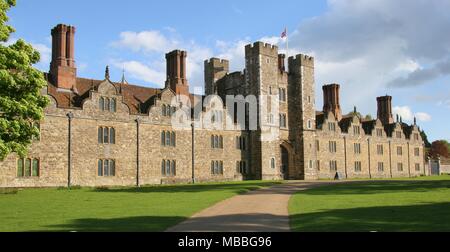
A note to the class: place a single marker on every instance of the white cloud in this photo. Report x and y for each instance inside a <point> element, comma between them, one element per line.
<point>141,71</point>
<point>424,117</point>
<point>145,41</point>
<point>367,45</point>
<point>406,114</point>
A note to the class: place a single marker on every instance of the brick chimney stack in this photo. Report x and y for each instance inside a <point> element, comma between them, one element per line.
<point>281,65</point>
<point>331,100</point>
<point>384,111</point>
<point>62,68</point>
<point>176,72</point>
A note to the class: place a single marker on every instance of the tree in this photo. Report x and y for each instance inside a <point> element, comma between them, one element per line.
<point>425,139</point>
<point>21,102</point>
<point>439,148</point>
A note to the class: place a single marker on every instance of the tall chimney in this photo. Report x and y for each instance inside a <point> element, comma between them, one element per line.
<point>62,68</point>
<point>176,72</point>
<point>331,100</point>
<point>384,109</point>
<point>281,65</point>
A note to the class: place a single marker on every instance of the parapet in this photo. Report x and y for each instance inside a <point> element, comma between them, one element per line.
<point>300,60</point>
<point>261,48</point>
<point>216,62</point>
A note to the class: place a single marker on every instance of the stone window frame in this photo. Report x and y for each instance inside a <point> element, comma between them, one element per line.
<point>400,167</point>
<point>283,120</point>
<point>356,130</point>
<point>380,166</point>
<point>241,143</point>
<point>399,150</point>
<point>216,167</point>
<point>168,138</point>
<point>417,166</point>
<point>317,145</point>
<point>332,126</point>
<point>282,94</point>
<point>417,152</point>
<point>272,163</point>
<point>380,149</point>
<point>107,104</point>
<point>241,167</point>
<point>22,172</point>
<point>168,168</point>
<point>106,167</point>
<point>332,146</point>
<point>357,148</point>
<point>398,134</point>
<point>106,135</point>
<point>358,166</point>
<point>416,136</point>
<point>379,132</point>
<point>216,142</point>
<point>333,166</point>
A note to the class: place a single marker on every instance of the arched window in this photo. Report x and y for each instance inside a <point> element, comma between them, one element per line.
<point>167,138</point>
<point>112,136</point>
<point>172,136</point>
<point>163,110</point>
<point>113,105</point>
<point>212,167</point>
<point>106,168</point>
<point>221,167</point>
<point>27,167</point>
<point>212,141</point>
<point>100,135</point>
<point>100,167</point>
<point>163,167</point>
<point>163,138</point>
<point>107,104</point>
<point>272,163</point>
<point>101,103</point>
<point>167,167</point>
<point>20,167</point>
<point>112,168</point>
<point>105,135</point>
<point>220,142</point>
<point>173,168</point>
<point>35,170</point>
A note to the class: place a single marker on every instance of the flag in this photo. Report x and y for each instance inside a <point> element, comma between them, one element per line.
<point>284,33</point>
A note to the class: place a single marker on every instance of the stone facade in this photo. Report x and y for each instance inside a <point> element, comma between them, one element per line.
<point>291,141</point>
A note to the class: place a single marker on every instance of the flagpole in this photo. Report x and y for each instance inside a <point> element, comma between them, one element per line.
<point>287,44</point>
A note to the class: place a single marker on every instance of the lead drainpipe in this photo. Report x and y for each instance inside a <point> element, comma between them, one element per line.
<point>193,150</point>
<point>69,151</point>
<point>138,121</point>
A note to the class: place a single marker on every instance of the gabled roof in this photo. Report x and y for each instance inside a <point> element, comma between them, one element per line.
<point>138,98</point>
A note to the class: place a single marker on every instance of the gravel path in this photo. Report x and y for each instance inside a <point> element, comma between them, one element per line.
<point>263,210</point>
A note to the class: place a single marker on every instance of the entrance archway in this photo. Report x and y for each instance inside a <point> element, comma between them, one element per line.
<point>284,162</point>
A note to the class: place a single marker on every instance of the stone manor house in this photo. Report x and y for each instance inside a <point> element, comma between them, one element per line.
<point>104,133</point>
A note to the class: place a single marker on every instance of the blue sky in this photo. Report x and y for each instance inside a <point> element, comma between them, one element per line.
<point>371,48</point>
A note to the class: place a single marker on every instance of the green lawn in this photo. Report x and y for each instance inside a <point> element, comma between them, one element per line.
<point>420,204</point>
<point>152,208</point>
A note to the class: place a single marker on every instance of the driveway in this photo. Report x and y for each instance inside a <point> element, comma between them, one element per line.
<point>263,210</point>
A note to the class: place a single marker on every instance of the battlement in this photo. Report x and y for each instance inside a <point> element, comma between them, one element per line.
<point>300,60</point>
<point>261,48</point>
<point>216,63</point>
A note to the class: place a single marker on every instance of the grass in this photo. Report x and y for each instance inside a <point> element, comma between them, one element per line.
<point>151,208</point>
<point>419,204</point>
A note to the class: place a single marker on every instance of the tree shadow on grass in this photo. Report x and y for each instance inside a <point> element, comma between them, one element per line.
<point>426,217</point>
<point>376,187</point>
<point>253,222</point>
<point>126,224</point>
<point>235,187</point>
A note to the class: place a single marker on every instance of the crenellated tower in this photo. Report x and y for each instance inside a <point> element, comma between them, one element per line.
<point>215,69</point>
<point>302,114</point>
<point>261,61</point>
